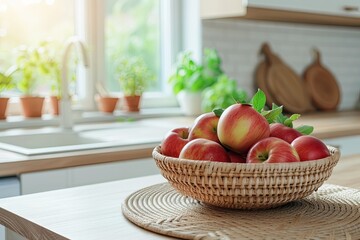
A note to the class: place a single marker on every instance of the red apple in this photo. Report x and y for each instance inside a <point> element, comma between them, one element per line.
<point>241,126</point>
<point>310,148</point>
<point>285,133</point>
<point>205,126</point>
<point>204,149</point>
<point>237,157</point>
<point>272,150</point>
<point>174,141</point>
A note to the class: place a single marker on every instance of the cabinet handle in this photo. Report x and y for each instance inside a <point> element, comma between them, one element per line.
<point>350,8</point>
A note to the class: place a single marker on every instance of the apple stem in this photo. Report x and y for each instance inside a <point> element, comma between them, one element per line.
<point>184,135</point>
<point>263,156</point>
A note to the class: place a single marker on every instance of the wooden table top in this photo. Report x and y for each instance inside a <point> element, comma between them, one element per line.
<point>94,211</point>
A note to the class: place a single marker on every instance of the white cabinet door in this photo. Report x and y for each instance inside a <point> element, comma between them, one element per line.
<point>112,171</point>
<point>84,175</point>
<point>347,145</point>
<point>44,181</point>
<point>349,8</point>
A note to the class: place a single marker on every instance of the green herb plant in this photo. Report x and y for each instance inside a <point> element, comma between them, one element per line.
<point>222,94</point>
<point>134,76</point>
<point>38,63</point>
<point>27,65</point>
<point>194,77</point>
<point>7,80</point>
<point>49,66</point>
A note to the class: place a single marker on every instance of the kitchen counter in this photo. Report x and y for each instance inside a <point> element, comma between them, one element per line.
<point>94,211</point>
<point>12,163</point>
<point>326,124</point>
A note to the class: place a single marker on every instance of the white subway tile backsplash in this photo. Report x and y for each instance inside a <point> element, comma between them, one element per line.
<point>238,43</point>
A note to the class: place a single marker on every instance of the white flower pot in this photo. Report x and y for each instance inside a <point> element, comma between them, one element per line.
<point>190,103</point>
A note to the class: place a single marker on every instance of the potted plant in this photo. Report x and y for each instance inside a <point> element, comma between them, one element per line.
<point>35,64</point>
<point>6,83</point>
<point>49,69</point>
<point>134,77</point>
<point>222,94</point>
<point>106,102</point>
<point>190,79</point>
<point>27,65</point>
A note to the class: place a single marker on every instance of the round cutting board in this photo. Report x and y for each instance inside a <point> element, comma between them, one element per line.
<point>321,85</point>
<point>260,82</point>
<point>285,85</point>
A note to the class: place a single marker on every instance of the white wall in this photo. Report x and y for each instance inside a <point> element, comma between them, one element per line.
<point>239,41</point>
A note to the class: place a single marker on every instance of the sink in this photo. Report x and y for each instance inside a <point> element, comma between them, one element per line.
<point>35,143</point>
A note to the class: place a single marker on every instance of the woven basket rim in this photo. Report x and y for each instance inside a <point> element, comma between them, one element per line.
<point>334,156</point>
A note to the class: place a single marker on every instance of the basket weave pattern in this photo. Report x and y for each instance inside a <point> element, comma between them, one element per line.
<point>245,186</point>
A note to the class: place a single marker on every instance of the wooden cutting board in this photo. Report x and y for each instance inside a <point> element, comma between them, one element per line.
<point>285,85</point>
<point>321,84</point>
<point>260,81</point>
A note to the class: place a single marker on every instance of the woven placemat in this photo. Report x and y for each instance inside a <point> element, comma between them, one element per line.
<point>333,212</point>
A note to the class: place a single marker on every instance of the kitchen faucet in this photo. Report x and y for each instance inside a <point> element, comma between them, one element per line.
<point>66,121</point>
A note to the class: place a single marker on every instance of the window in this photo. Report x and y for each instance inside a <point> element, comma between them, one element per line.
<point>110,29</point>
<point>132,28</point>
<point>27,23</point>
<point>146,28</point>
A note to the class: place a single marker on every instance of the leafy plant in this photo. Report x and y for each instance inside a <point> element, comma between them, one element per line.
<point>49,66</point>
<point>38,63</point>
<point>222,94</point>
<point>134,75</point>
<point>195,77</point>
<point>6,80</point>
<point>26,63</point>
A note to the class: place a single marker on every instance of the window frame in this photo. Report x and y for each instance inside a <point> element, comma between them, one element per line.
<point>91,18</point>
<point>176,36</point>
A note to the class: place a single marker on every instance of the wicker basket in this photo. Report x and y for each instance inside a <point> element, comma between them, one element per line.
<point>245,186</point>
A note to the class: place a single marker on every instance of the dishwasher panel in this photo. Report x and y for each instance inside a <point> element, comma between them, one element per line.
<point>9,187</point>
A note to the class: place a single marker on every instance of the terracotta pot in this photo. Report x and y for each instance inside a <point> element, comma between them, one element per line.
<point>54,105</point>
<point>107,104</point>
<point>3,106</point>
<point>32,106</point>
<point>132,103</point>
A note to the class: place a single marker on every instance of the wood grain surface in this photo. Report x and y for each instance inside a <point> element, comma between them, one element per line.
<point>260,81</point>
<point>278,15</point>
<point>285,85</point>
<point>86,213</point>
<point>321,85</point>
<point>94,211</point>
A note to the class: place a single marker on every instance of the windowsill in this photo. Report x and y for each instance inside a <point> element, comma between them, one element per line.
<point>80,117</point>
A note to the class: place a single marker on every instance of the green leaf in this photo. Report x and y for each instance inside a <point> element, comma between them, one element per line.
<point>272,114</point>
<point>289,121</point>
<point>258,101</point>
<point>295,117</point>
<point>222,94</point>
<point>305,129</point>
<point>218,111</point>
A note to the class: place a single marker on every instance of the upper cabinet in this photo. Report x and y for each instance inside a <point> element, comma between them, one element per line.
<point>345,8</point>
<point>328,12</point>
<point>210,9</point>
